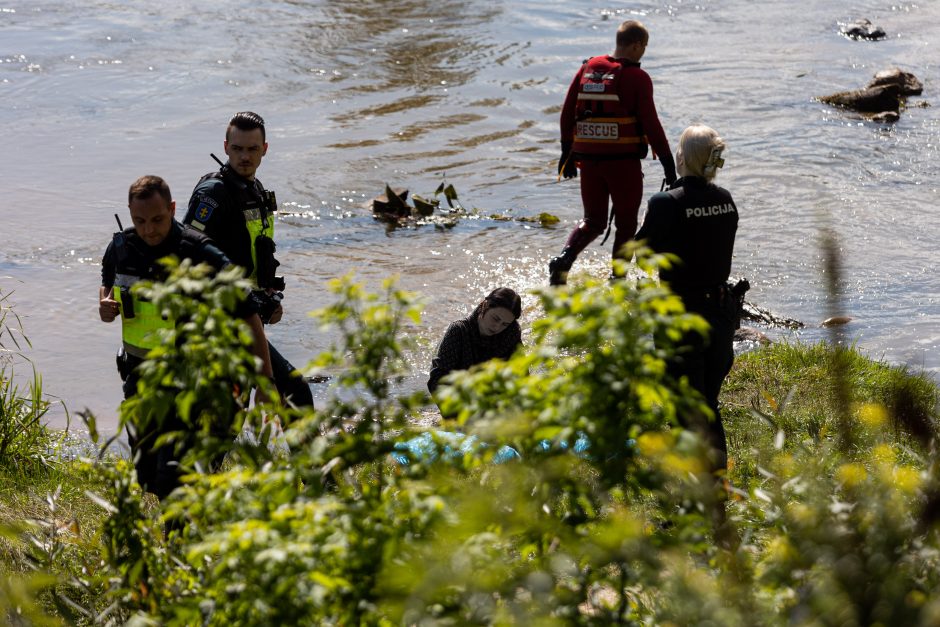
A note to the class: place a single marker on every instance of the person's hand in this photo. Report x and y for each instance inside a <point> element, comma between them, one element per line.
<point>670,174</point>
<point>267,303</point>
<point>108,309</point>
<point>567,167</point>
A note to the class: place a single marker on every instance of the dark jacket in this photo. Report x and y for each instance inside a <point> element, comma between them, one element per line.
<point>217,208</point>
<point>463,347</point>
<point>137,259</point>
<point>696,220</point>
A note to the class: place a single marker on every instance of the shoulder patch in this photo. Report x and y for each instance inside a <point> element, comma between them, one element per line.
<point>203,212</point>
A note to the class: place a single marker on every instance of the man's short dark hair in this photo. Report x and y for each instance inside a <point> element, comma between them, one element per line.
<point>246,121</point>
<point>631,32</point>
<point>146,186</point>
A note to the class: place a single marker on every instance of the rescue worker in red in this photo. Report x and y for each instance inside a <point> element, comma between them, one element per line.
<point>607,121</point>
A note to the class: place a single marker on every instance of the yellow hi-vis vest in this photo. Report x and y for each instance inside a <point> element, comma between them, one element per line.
<point>138,331</point>
<point>256,227</point>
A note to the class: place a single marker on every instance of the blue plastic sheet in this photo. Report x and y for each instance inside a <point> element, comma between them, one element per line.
<point>448,445</point>
<point>452,445</point>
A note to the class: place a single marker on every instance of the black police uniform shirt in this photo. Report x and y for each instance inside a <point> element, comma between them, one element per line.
<point>141,259</point>
<point>216,208</point>
<point>696,220</point>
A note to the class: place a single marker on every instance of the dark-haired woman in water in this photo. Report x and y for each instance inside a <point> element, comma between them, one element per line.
<point>491,331</point>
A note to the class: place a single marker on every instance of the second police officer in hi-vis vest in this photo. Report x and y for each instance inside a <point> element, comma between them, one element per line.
<point>233,208</point>
<point>607,120</point>
<point>134,255</point>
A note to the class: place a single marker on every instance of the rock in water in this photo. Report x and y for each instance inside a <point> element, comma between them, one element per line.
<point>881,100</point>
<point>750,334</point>
<point>863,29</point>
<point>908,84</point>
<point>836,321</point>
<point>869,100</point>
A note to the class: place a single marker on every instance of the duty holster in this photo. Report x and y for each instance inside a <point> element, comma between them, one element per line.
<point>733,300</point>
<point>267,264</point>
<point>123,367</point>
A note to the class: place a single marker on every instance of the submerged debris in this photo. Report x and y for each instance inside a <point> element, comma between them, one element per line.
<point>544,218</point>
<point>392,208</point>
<point>392,203</point>
<point>758,314</point>
<point>863,29</point>
<point>881,100</point>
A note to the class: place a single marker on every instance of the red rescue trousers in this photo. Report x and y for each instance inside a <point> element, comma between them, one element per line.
<point>616,180</point>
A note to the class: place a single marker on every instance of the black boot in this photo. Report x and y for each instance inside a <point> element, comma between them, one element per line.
<point>618,270</point>
<point>559,266</point>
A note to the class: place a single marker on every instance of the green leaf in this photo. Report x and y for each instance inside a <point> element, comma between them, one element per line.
<point>101,502</point>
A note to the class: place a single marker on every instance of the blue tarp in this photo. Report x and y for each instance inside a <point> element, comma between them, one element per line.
<point>450,445</point>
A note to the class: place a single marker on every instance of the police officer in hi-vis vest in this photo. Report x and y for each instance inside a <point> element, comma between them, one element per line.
<point>696,221</point>
<point>233,208</point>
<point>132,256</point>
<point>606,123</point>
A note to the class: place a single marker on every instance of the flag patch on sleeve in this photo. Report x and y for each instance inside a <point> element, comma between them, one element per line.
<point>203,212</point>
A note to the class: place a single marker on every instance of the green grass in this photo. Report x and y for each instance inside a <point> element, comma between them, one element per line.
<point>795,389</point>
<point>25,501</point>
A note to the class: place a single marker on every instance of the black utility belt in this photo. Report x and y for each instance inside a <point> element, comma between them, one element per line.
<point>715,293</point>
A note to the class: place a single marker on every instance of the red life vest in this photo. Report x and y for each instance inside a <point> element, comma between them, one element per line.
<point>603,124</point>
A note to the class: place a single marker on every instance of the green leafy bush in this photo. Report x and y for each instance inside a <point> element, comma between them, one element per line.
<point>832,518</point>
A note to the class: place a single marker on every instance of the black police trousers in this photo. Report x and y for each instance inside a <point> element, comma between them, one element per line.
<point>157,468</point>
<point>292,387</point>
<point>706,362</point>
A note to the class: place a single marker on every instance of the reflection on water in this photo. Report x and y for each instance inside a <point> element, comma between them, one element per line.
<point>361,94</point>
<point>409,45</point>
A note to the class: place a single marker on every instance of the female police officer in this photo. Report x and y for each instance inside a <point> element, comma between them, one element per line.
<point>696,221</point>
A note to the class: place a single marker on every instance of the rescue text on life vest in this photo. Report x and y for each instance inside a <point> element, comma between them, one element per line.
<point>604,126</point>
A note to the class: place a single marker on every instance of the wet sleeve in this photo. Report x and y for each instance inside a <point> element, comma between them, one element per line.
<point>658,223</point>
<point>449,356</point>
<point>569,108</point>
<point>108,267</point>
